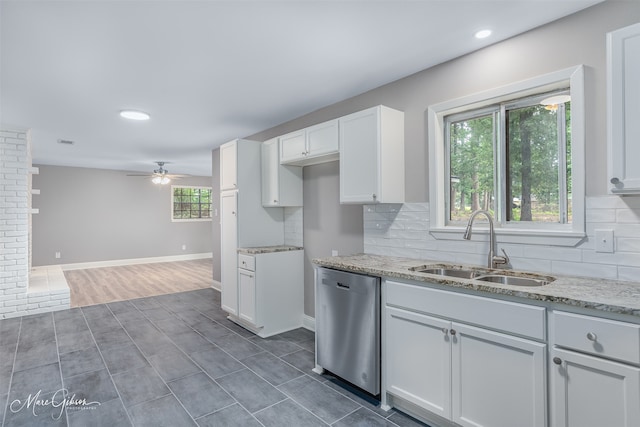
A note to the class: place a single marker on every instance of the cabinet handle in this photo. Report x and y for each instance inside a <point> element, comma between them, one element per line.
<point>275,201</point>
<point>453,332</point>
<point>233,212</point>
<point>373,196</point>
<point>304,153</point>
<point>445,331</point>
<point>614,181</point>
<point>557,361</point>
<point>592,337</point>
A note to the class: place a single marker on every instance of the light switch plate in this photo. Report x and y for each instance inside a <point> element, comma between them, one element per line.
<point>604,241</point>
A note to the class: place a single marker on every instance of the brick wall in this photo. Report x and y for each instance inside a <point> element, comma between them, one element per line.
<point>15,211</point>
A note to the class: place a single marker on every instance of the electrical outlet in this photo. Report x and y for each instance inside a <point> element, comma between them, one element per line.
<point>334,252</point>
<point>57,255</point>
<point>184,247</point>
<point>604,241</point>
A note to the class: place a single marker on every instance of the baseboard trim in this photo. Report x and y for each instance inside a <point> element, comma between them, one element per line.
<point>132,261</point>
<point>217,285</point>
<point>309,323</point>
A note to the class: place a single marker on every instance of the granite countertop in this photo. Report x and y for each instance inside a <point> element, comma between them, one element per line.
<point>268,249</point>
<point>600,294</point>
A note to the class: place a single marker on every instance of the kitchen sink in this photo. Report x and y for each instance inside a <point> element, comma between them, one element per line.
<point>512,280</point>
<point>503,278</point>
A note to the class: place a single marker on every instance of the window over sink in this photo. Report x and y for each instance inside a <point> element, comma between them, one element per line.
<point>516,151</point>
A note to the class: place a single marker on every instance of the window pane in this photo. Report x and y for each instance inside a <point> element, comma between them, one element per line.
<point>533,183</point>
<point>471,166</point>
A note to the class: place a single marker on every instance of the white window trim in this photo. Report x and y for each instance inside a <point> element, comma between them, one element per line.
<point>569,235</point>
<point>187,219</point>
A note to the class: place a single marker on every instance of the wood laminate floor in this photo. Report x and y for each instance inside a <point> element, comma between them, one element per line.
<point>107,284</point>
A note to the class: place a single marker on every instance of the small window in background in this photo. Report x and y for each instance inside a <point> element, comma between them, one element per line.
<point>512,159</point>
<point>190,203</point>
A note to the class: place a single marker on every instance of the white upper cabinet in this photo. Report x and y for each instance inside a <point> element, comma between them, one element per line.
<point>372,156</point>
<point>228,166</point>
<point>312,145</point>
<point>281,185</point>
<point>623,109</point>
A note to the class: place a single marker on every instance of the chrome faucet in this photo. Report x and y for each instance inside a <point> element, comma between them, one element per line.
<point>494,260</point>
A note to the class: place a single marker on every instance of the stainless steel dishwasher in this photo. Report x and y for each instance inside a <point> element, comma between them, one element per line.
<point>348,327</point>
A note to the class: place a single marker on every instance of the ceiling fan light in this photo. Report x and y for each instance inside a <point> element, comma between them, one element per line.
<point>134,115</point>
<point>165,180</point>
<point>157,180</point>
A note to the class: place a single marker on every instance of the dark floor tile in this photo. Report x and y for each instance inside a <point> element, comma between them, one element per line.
<point>103,324</point>
<point>211,330</point>
<point>154,344</point>
<point>172,326</point>
<point>159,313</point>
<point>140,385</point>
<point>71,325</point>
<point>128,317</point>
<point>216,362</point>
<point>191,342</point>
<point>298,335</point>
<point>119,307</point>
<point>232,416</point>
<point>363,417</point>
<point>32,354</point>
<point>3,405</point>
<point>141,328</point>
<point>355,394</point>
<point>72,313</point>
<point>36,328</point>
<point>80,362</point>
<point>200,395</point>
<point>146,303</point>
<point>45,378</point>
<point>215,313</point>
<point>69,342</point>
<point>288,413</point>
<point>309,345</point>
<point>7,354</point>
<point>107,414</point>
<point>93,386</point>
<point>250,390</point>
<point>5,379</point>
<point>276,345</point>
<point>23,414</point>
<point>303,360</point>
<point>238,347</point>
<point>173,364</point>
<point>192,317</point>
<point>9,329</point>
<point>404,420</point>
<point>322,401</point>
<point>112,338</point>
<point>165,411</point>
<point>272,368</point>
<point>124,359</point>
<point>96,311</point>
<point>237,329</point>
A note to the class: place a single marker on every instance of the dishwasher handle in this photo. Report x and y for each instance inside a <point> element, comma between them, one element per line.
<point>342,285</point>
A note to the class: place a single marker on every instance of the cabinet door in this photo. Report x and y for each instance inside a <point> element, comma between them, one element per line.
<point>293,146</point>
<point>228,167</point>
<point>322,138</point>
<point>359,157</point>
<point>497,380</point>
<point>593,392</point>
<point>270,175</point>
<point>228,249</point>
<point>418,361</point>
<point>623,87</point>
<point>247,296</point>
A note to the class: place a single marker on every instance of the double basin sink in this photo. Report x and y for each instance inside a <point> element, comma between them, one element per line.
<point>502,277</point>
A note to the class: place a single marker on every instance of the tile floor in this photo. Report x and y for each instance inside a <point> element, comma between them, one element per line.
<point>171,360</point>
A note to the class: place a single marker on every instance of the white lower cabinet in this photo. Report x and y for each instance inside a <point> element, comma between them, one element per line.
<point>589,389</point>
<point>452,373</point>
<point>247,296</point>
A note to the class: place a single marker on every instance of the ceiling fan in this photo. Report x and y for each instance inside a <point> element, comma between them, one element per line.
<point>161,175</point>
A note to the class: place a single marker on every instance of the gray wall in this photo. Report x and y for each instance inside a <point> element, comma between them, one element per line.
<point>91,215</point>
<point>215,201</point>
<point>576,39</point>
<point>328,225</point>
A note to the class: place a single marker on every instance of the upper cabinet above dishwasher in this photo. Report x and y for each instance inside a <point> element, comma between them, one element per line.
<point>372,156</point>
<point>309,146</point>
<point>623,109</point>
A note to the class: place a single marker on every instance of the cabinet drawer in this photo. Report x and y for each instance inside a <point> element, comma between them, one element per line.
<point>247,262</point>
<point>601,337</point>
<point>515,318</point>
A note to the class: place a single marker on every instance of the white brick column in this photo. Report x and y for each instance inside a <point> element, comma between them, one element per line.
<point>14,222</point>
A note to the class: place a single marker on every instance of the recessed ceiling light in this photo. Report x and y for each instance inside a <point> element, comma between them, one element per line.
<point>134,115</point>
<point>482,34</point>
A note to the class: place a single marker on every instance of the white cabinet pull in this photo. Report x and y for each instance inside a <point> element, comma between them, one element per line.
<point>592,337</point>
<point>445,331</point>
<point>614,180</point>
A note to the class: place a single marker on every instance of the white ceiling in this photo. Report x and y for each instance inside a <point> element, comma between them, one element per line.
<point>211,71</point>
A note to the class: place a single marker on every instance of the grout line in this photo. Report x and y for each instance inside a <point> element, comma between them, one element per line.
<point>13,368</point>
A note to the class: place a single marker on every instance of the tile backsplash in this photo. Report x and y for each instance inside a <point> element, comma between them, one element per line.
<point>403,230</point>
<point>293,226</point>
